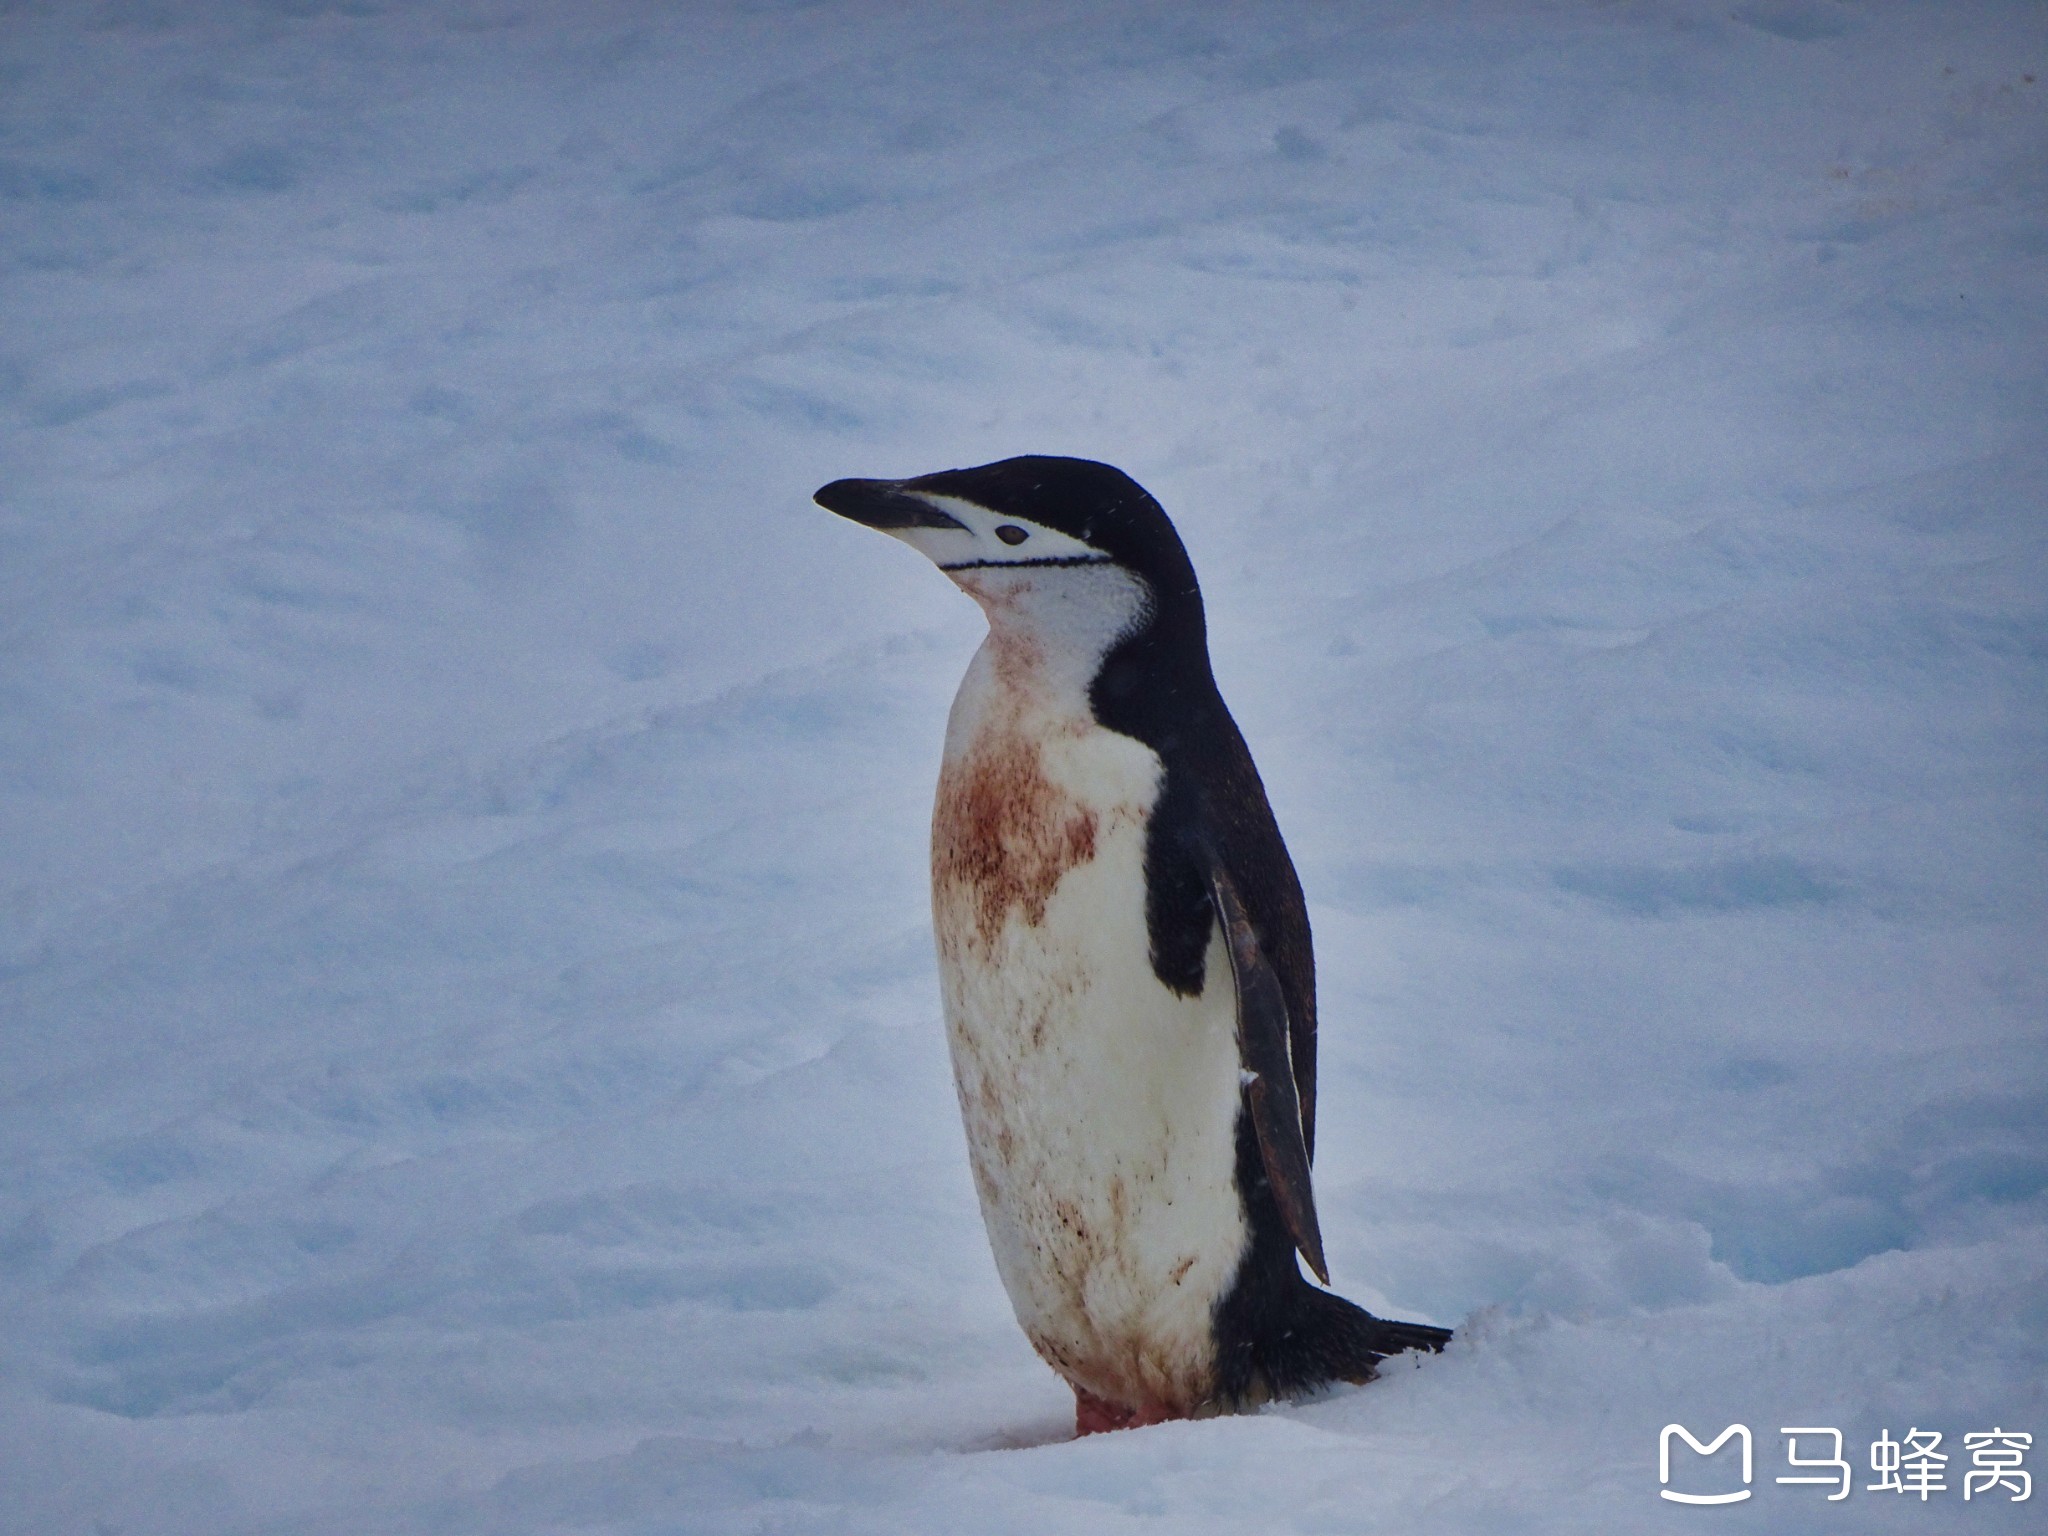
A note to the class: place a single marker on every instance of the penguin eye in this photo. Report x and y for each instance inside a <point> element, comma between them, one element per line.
<point>1010,533</point>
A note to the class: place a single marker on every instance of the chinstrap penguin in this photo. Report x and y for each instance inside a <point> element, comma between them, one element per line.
<point>1124,956</point>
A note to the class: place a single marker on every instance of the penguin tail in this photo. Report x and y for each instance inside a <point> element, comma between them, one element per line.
<point>1332,1339</point>
<point>1397,1338</point>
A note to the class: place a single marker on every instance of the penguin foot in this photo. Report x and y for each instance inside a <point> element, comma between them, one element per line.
<point>1096,1415</point>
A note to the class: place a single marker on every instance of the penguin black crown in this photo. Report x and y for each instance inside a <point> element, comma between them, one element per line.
<point>1125,960</point>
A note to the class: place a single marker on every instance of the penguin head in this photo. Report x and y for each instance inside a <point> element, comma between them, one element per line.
<point>1032,517</point>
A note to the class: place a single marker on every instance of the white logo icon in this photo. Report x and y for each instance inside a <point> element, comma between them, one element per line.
<point>1664,1463</point>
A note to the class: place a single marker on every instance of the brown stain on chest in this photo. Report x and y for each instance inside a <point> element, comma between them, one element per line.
<point>1003,834</point>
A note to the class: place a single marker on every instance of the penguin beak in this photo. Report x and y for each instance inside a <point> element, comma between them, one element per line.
<point>882,505</point>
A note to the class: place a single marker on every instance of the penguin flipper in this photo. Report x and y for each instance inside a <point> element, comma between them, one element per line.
<point>1263,1033</point>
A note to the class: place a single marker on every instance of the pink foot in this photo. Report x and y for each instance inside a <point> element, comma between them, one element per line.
<point>1094,1415</point>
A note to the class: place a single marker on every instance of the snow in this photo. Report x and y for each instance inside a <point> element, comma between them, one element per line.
<point>471,1056</point>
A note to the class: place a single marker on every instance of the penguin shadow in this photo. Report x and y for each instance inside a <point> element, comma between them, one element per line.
<point>1059,1429</point>
<point>1051,1429</point>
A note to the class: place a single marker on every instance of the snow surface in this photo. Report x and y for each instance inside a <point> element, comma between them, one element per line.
<point>470,1056</point>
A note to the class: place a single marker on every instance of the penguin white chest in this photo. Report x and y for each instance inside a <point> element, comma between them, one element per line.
<point>1100,1105</point>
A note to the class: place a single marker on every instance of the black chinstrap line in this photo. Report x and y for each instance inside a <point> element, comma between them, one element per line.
<point>1005,565</point>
